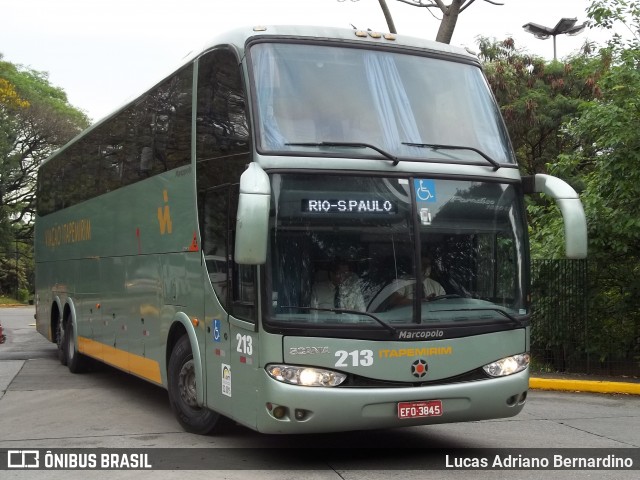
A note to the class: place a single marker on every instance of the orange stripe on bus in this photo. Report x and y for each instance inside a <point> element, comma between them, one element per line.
<point>129,362</point>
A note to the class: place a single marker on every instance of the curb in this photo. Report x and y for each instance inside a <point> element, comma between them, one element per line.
<point>584,386</point>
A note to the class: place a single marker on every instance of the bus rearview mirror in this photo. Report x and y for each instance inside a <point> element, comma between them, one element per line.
<point>575,222</point>
<point>252,221</point>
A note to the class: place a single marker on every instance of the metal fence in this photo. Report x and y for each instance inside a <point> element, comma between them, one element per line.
<point>566,336</point>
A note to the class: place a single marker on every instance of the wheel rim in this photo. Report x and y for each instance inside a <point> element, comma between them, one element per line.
<point>187,384</point>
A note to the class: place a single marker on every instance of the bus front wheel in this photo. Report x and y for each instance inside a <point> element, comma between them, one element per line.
<point>182,391</point>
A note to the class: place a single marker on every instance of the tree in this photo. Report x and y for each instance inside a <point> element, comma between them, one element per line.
<point>387,16</point>
<point>536,97</point>
<point>610,13</point>
<point>606,164</point>
<point>449,12</point>
<point>607,141</point>
<point>603,162</point>
<point>607,159</point>
<point>35,120</point>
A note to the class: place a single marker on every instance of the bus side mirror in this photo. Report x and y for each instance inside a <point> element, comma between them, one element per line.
<point>575,222</point>
<point>252,221</point>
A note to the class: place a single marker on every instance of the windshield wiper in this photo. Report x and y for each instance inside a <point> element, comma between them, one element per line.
<point>345,310</point>
<point>436,146</point>
<point>515,320</point>
<point>384,153</point>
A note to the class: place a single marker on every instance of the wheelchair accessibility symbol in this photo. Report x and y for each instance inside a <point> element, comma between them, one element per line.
<point>216,330</point>
<point>425,190</point>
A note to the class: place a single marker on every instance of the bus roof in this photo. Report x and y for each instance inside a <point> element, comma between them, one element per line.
<point>240,36</point>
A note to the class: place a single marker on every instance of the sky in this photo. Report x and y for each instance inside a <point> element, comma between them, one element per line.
<point>104,52</point>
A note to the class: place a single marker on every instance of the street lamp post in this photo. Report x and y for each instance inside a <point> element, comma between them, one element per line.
<point>564,26</point>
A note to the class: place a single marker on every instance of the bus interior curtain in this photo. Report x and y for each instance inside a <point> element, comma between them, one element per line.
<point>391,101</point>
<point>487,136</point>
<point>265,73</point>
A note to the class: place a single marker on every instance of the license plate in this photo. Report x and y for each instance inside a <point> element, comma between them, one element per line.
<point>431,408</point>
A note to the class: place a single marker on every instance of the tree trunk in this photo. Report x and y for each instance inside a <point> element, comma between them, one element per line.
<point>449,20</point>
<point>387,16</point>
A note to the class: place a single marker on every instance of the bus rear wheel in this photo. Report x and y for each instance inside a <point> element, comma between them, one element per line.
<point>75,361</point>
<point>60,342</point>
<point>182,391</point>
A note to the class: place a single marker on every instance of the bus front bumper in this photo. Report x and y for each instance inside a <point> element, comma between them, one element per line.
<point>295,409</point>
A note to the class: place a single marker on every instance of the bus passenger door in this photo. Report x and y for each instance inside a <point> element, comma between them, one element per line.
<point>245,362</point>
<point>222,154</point>
<point>230,310</point>
<point>217,355</point>
<point>214,231</point>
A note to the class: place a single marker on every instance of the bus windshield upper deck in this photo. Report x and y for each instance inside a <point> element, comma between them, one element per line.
<point>318,99</point>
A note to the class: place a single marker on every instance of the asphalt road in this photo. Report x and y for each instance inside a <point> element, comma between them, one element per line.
<point>43,405</point>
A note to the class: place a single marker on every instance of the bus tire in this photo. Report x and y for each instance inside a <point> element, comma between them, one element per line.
<point>75,360</point>
<point>60,342</point>
<point>182,391</point>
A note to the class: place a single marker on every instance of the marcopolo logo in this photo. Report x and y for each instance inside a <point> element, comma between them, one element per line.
<point>420,334</point>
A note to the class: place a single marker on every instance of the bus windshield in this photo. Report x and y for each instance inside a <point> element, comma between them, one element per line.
<point>333,101</point>
<point>369,252</point>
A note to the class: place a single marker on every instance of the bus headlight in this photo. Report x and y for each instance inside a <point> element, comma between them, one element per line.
<point>508,365</point>
<point>305,376</point>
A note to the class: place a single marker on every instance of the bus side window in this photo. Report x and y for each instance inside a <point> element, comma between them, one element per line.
<point>222,128</point>
<point>234,284</point>
<point>214,220</point>
<point>222,154</point>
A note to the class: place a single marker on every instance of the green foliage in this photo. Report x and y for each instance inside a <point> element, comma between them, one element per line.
<point>8,300</point>
<point>546,229</point>
<point>35,120</point>
<point>23,295</point>
<point>602,163</point>
<point>613,13</point>
<point>578,120</point>
<point>536,98</point>
<point>13,274</point>
<point>607,158</point>
<point>607,162</point>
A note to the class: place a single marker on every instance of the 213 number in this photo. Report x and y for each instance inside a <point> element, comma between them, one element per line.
<point>245,344</point>
<point>356,358</point>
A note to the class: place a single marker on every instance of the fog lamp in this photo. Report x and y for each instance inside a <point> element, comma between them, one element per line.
<point>279,412</point>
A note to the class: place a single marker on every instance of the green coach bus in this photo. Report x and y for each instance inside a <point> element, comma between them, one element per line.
<point>301,229</point>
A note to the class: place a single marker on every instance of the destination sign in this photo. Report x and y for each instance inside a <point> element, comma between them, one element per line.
<point>349,205</point>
